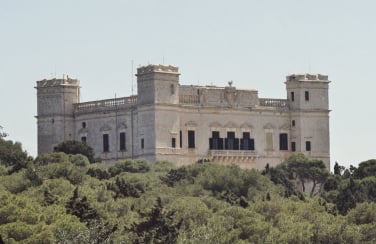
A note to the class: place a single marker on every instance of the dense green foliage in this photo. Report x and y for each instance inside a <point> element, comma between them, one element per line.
<point>76,147</point>
<point>60,198</point>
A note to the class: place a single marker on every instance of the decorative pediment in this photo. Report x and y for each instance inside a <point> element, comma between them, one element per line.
<point>246,126</point>
<point>215,125</point>
<point>284,127</point>
<point>191,124</point>
<point>231,125</point>
<point>105,128</point>
<point>122,126</point>
<point>269,126</point>
<point>83,131</point>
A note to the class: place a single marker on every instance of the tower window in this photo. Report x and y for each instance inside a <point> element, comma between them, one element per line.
<point>231,143</point>
<point>292,96</point>
<point>293,123</point>
<point>106,145</point>
<point>173,142</point>
<point>191,139</point>
<point>308,146</point>
<point>122,141</point>
<point>142,143</point>
<point>83,139</point>
<point>293,146</point>
<point>283,141</point>
<point>83,125</point>
<point>306,95</point>
<point>172,88</point>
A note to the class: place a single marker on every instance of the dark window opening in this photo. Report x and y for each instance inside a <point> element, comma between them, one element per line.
<point>247,143</point>
<point>122,141</point>
<point>83,139</point>
<point>215,142</point>
<point>142,143</point>
<point>191,139</point>
<point>181,139</point>
<point>292,96</point>
<point>173,142</point>
<point>106,145</point>
<point>293,123</point>
<point>83,124</point>
<point>293,146</point>
<point>306,95</point>
<point>231,143</point>
<point>283,141</point>
<point>308,146</point>
<point>172,88</point>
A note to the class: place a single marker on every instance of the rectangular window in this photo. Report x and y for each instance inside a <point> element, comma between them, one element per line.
<point>269,141</point>
<point>292,96</point>
<point>191,139</point>
<point>181,139</point>
<point>247,143</point>
<point>283,141</point>
<point>306,95</point>
<point>106,145</point>
<point>308,146</point>
<point>122,141</point>
<point>231,143</point>
<point>142,143</point>
<point>173,142</point>
<point>293,123</point>
<point>83,139</point>
<point>293,146</point>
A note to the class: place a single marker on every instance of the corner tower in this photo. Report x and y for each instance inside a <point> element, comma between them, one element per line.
<point>55,99</point>
<point>309,113</point>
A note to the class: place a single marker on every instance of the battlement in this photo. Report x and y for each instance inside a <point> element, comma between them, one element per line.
<point>158,68</point>
<point>58,82</point>
<point>307,77</point>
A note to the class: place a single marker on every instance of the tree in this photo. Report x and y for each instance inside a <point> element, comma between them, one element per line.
<point>365,169</point>
<point>81,208</point>
<point>159,227</point>
<point>338,169</point>
<point>12,155</point>
<point>2,133</point>
<point>76,147</point>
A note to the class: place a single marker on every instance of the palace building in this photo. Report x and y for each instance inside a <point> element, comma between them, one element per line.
<point>188,123</point>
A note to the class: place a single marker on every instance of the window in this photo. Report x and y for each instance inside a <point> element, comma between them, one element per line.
<point>191,139</point>
<point>84,125</point>
<point>122,141</point>
<point>293,123</point>
<point>247,143</point>
<point>142,143</point>
<point>231,143</point>
<point>293,146</point>
<point>83,139</point>
<point>215,142</point>
<point>181,139</point>
<point>283,141</point>
<point>173,142</point>
<point>308,146</point>
<point>172,88</point>
<point>306,95</point>
<point>106,145</point>
<point>292,96</point>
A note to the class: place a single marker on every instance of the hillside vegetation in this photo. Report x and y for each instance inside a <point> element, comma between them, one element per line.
<point>61,198</point>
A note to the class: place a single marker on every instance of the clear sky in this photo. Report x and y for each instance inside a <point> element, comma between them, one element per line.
<point>254,43</point>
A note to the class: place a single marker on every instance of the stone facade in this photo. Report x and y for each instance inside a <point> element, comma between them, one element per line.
<point>184,124</point>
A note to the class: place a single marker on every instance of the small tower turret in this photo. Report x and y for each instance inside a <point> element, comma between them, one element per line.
<point>55,99</point>
<point>309,114</point>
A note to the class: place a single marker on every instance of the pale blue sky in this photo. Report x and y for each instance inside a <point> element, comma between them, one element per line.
<point>254,43</point>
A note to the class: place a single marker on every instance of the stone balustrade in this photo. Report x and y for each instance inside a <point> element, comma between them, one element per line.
<point>107,104</point>
<point>274,103</point>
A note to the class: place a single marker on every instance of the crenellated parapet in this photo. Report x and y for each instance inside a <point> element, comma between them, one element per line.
<point>307,77</point>
<point>57,82</point>
<point>157,68</point>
